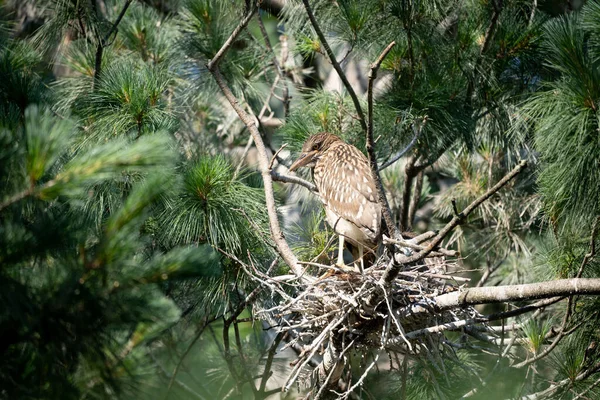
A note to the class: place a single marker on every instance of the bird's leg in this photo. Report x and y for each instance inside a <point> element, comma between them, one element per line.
<point>360,267</point>
<point>340,260</point>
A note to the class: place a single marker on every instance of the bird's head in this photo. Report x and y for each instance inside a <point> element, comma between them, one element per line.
<point>313,148</point>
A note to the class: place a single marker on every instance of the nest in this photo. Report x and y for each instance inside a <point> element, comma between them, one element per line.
<point>348,311</point>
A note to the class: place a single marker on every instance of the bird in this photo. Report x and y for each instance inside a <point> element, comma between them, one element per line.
<point>347,190</point>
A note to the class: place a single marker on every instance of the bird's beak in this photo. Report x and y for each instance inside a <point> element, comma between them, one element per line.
<point>303,159</point>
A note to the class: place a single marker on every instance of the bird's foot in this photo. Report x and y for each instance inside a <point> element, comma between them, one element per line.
<point>345,268</point>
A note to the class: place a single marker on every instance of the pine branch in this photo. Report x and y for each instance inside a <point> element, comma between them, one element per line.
<point>381,198</point>
<point>501,294</point>
<point>401,153</point>
<point>103,42</point>
<point>544,394</point>
<point>487,41</point>
<point>394,268</point>
<point>336,65</point>
<point>276,232</point>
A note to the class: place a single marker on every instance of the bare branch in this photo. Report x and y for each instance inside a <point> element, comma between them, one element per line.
<point>459,218</point>
<point>401,153</point>
<point>527,291</point>
<point>336,65</point>
<point>416,197</point>
<point>263,160</point>
<point>381,198</point>
<point>278,67</point>
<point>392,271</point>
<point>214,62</point>
<point>103,42</point>
<point>293,179</point>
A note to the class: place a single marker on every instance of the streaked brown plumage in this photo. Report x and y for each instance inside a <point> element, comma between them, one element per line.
<point>346,189</point>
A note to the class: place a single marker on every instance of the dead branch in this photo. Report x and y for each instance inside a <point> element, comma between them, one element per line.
<point>104,41</point>
<point>276,232</point>
<point>527,291</point>
<point>293,179</point>
<point>381,198</point>
<point>336,65</point>
<point>393,270</point>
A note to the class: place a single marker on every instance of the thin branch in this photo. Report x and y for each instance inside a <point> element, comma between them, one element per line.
<point>184,355</point>
<point>185,387</point>
<point>243,157</point>
<point>381,198</point>
<point>214,62</point>
<point>409,173</point>
<point>592,251</point>
<point>263,160</point>
<point>278,67</point>
<point>17,197</point>
<point>410,244</point>
<point>407,23</point>
<point>562,332</point>
<point>532,15</point>
<point>544,394</point>
<point>336,65</point>
<point>465,213</point>
<point>478,320</point>
<point>103,42</point>
<point>283,146</point>
<point>270,355</point>
<point>416,197</point>
<point>587,390</point>
<point>392,271</point>
<point>242,358</point>
<point>293,179</point>
<point>490,270</point>
<point>401,153</point>
<point>487,41</point>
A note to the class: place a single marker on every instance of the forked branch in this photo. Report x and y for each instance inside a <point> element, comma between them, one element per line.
<point>394,269</point>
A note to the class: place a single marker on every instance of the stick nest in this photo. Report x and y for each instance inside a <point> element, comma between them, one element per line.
<point>347,310</point>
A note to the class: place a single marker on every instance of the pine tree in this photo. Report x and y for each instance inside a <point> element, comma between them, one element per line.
<point>144,179</point>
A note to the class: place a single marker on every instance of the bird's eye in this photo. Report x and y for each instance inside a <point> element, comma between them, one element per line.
<point>315,146</point>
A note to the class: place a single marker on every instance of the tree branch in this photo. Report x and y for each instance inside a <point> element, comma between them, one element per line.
<point>336,65</point>
<point>401,153</point>
<point>103,42</point>
<point>457,219</point>
<point>414,202</point>
<point>293,179</point>
<point>489,33</point>
<point>527,291</point>
<point>285,91</point>
<point>393,269</point>
<point>276,233</point>
<point>381,198</point>
<point>544,394</point>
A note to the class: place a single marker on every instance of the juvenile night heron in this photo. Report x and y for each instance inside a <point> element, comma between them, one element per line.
<point>346,189</point>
